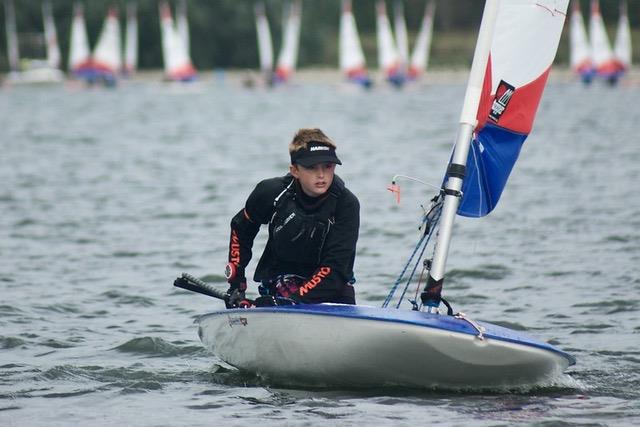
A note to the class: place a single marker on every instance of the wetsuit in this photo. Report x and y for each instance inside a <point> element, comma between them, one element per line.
<point>319,242</point>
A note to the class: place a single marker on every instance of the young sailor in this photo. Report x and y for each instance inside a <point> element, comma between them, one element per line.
<point>313,222</point>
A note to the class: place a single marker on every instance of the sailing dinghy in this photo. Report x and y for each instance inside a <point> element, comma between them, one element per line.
<point>107,55</point>
<point>175,53</point>
<point>80,65</point>
<point>422,48</point>
<point>352,61</point>
<point>622,44</point>
<point>388,57</point>
<point>360,346</point>
<point>604,62</point>
<point>131,41</point>
<point>288,56</point>
<point>579,48</point>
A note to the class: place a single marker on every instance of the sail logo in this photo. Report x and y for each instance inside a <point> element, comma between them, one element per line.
<point>503,96</point>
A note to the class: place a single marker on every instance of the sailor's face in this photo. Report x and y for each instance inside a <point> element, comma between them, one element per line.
<point>315,180</point>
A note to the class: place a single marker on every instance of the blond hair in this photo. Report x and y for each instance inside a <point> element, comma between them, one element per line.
<point>305,136</point>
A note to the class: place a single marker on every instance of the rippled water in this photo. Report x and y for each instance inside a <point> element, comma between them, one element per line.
<point>107,196</point>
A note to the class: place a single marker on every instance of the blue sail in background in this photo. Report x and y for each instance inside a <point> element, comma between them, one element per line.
<point>516,74</point>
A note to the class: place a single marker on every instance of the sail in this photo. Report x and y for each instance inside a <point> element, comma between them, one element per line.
<point>402,39</point>
<point>131,42</point>
<point>182,24</point>
<point>388,57</point>
<point>289,54</point>
<point>579,48</point>
<point>622,44</point>
<point>265,46</point>
<point>603,60</point>
<point>177,63</point>
<point>515,76</point>
<point>352,61</point>
<point>79,54</point>
<point>107,55</point>
<point>51,36</point>
<point>420,54</point>
<point>12,35</point>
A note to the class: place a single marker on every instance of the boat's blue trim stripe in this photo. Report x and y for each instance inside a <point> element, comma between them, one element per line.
<point>418,318</point>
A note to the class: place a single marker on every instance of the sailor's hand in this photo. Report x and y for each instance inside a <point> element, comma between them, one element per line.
<point>235,296</point>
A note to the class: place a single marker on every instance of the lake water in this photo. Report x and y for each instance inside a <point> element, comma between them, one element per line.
<point>107,195</point>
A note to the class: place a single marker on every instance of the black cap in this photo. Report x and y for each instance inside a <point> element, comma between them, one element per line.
<point>315,153</point>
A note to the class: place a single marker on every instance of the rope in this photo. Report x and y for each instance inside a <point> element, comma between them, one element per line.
<point>426,236</point>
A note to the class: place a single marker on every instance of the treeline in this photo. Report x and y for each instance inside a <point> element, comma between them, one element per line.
<point>223,31</point>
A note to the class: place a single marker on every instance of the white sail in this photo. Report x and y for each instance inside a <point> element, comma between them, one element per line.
<point>177,63</point>
<point>401,34</point>
<point>131,43</point>
<point>182,24</point>
<point>289,54</point>
<point>79,53</point>
<point>421,50</point>
<point>352,61</point>
<point>388,58</point>
<point>579,48</point>
<point>12,35</point>
<point>601,53</point>
<point>107,56</point>
<point>622,45</point>
<point>51,36</point>
<point>265,46</point>
<point>516,47</point>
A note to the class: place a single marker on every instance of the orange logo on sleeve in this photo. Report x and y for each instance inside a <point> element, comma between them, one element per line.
<point>234,253</point>
<point>315,280</point>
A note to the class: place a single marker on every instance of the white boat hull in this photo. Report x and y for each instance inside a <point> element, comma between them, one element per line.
<point>337,345</point>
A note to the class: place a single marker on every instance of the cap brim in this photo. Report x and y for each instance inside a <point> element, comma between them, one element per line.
<point>314,160</point>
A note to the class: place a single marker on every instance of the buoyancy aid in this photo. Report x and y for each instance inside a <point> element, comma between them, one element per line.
<point>297,235</point>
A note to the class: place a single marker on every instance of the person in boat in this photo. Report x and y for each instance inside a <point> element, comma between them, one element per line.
<point>313,222</point>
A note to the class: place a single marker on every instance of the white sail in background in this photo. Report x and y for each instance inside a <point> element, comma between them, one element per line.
<point>622,45</point>
<point>265,46</point>
<point>51,36</point>
<point>107,55</point>
<point>131,42</point>
<point>182,24</point>
<point>288,57</point>
<point>401,34</point>
<point>79,53</point>
<point>388,58</point>
<point>177,63</point>
<point>579,48</point>
<point>352,61</point>
<point>601,53</point>
<point>420,55</point>
<point>12,35</point>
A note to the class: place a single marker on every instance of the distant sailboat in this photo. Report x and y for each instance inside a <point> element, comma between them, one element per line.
<point>80,65</point>
<point>402,40</point>
<point>579,48</point>
<point>131,42</point>
<point>265,45</point>
<point>603,60</point>
<point>420,55</point>
<point>177,63</point>
<point>622,45</point>
<point>32,70</point>
<point>388,57</point>
<point>288,56</point>
<point>352,61</point>
<point>51,36</point>
<point>107,55</point>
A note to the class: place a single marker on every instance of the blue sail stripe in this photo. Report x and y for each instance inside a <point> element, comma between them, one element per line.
<point>492,155</point>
